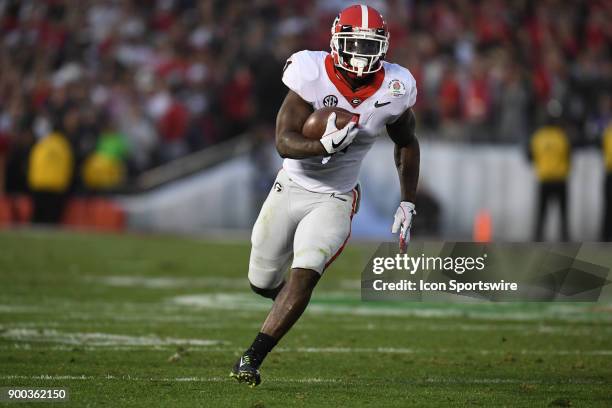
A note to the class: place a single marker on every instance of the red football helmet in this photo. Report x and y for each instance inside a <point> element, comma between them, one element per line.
<point>360,40</point>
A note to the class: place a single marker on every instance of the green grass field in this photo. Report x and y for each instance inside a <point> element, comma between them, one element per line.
<point>159,321</point>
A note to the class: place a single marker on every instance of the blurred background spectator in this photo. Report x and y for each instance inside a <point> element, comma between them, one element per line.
<point>550,152</point>
<point>607,152</point>
<point>49,177</point>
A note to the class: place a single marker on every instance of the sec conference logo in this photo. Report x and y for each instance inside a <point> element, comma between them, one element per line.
<point>330,100</point>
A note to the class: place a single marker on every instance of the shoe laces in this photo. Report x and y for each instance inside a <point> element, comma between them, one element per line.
<point>251,360</point>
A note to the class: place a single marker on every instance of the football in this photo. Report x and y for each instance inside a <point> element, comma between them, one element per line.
<point>314,127</point>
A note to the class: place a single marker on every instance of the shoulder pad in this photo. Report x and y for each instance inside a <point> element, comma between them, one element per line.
<point>308,63</point>
<point>300,70</point>
<point>400,83</point>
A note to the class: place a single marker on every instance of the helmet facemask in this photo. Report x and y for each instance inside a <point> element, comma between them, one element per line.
<point>359,51</point>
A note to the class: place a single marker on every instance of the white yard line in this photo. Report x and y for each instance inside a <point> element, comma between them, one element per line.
<point>247,304</point>
<point>100,339</point>
<point>19,309</point>
<point>204,323</point>
<point>205,346</point>
<point>245,301</point>
<point>171,282</point>
<point>47,377</point>
<point>308,380</point>
<point>158,282</point>
<point>524,329</point>
<point>401,350</point>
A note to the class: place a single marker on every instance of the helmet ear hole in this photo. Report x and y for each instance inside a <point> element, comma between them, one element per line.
<point>336,43</point>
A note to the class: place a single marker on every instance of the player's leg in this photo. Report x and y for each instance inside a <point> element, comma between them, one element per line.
<point>290,303</point>
<point>319,238</point>
<point>271,241</point>
<point>286,310</point>
<point>607,224</point>
<point>274,289</point>
<point>542,202</point>
<point>271,250</point>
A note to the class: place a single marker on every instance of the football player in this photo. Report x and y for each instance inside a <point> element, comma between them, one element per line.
<point>305,221</point>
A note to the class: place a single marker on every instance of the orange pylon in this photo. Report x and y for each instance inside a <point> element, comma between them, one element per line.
<point>483,227</point>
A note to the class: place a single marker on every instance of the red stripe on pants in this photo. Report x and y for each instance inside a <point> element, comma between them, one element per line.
<point>339,251</point>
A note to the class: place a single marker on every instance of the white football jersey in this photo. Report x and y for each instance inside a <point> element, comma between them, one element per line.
<point>311,75</point>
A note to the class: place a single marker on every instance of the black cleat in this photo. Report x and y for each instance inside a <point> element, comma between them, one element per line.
<point>246,371</point>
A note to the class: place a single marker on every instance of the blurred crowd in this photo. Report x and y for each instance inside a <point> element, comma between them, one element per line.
<point>133,84</point>
<point>495,70</point>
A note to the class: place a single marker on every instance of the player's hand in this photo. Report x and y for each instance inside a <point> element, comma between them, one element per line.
<point>402,223</point>
<point>334,139</point>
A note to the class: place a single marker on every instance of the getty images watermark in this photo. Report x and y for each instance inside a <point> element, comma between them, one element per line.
<point>445,271</point>
<point>458,265</point>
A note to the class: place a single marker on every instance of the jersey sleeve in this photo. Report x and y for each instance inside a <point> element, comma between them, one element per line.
<point>300,71</point>
<point>408,98</point>
<point>411,90</point>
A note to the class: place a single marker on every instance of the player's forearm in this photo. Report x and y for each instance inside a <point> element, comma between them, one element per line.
<point>407,161</point>
<point>293,145</point>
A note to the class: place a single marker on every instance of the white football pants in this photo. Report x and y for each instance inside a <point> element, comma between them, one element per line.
<point>313,228</point>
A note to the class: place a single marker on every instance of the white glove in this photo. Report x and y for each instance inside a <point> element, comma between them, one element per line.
<point>334,139</point>
<point>402,223</point>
